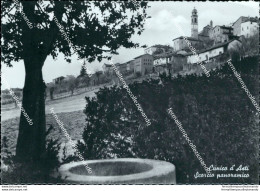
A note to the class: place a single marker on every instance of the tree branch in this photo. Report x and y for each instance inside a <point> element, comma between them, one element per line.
<point>8,11</point>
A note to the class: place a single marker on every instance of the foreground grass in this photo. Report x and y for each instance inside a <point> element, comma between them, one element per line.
<point>74,123</point>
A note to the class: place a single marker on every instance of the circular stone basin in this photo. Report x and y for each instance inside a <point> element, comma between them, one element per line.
<point>119,171</point>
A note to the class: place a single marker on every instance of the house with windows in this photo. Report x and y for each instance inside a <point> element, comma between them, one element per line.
<point>249,28</point>
<point>58,80</point>
<point>170,62</point>
<point>237,28</point>
<point>160,63</point>
<point>143,64</point>
<point>212,52</point>
<point>160,60</point>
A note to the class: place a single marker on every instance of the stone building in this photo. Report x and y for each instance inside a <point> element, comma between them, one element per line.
<point>143,64</point>
<point>212,52</point>
<point>237,24</point>
<point>58,80</point>
<point>221,34</point>
<point>249,28</point>
<point>169,63</point>
<point>204,34</point>
<point>180,43</point>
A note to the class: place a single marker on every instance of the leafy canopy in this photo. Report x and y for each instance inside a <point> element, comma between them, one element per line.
<point>96,29</point>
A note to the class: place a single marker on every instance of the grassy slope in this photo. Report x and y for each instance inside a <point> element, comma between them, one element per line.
<point>73,122</point>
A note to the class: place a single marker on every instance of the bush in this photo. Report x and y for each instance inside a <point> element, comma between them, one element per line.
<point>216,113</point>
<point>30,172</point>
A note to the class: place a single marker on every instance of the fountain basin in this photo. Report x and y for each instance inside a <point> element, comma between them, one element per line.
<point>119,171</point>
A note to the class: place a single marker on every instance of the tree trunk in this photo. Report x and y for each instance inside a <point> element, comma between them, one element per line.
<point>37,45</point>
<point>31,137</point>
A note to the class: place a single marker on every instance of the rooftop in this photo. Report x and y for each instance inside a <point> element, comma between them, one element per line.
<point>107,65</point>
<point>142,55</point>
<point>189,38</point>
<point>245,19</point>
<point>251,20</point>
<point>213,47</point>
<point>223,26</point>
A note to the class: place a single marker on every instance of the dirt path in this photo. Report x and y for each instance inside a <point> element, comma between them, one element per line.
<point>69,104</point>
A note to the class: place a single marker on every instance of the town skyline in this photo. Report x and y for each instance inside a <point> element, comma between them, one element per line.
<point>160,25</point>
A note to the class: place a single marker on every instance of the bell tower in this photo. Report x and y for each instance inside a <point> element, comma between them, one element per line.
<point>194,23</point>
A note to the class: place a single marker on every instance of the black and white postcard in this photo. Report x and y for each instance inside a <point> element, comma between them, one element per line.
<point>129,93</point>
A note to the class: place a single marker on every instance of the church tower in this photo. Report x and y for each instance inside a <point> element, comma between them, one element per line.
<point>194,24</point>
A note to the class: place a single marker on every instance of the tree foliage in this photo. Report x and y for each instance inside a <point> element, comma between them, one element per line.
<point>72,83</point>
<point>83,71</point>
<point>94,28</point>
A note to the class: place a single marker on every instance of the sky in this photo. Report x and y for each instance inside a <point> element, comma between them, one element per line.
<point>159,29</point>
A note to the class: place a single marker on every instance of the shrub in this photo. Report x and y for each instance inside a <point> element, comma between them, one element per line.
<point>216,113</point>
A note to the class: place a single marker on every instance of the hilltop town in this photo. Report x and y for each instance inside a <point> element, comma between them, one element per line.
<point>212,44</point>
